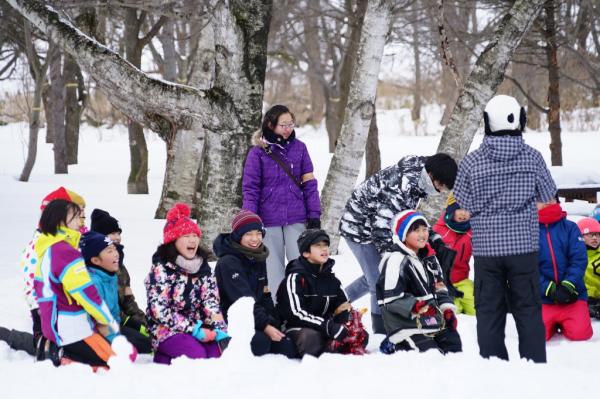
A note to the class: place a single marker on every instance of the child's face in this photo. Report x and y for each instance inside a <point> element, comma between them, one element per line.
<point>108,259</point>
<point>74,221</point>
<point>115,237</point>
<point>417,239</point>
<point>592,240</point>
<point>319,253</point>
<point>187,245</point>
<point>251,239</point>
<point>461,215</point>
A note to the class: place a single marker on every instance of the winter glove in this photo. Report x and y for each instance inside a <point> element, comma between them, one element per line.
<point>424,308</point>
<point>342,317</point>
<point>451,320</point>
<point>566,292</point>
<point>203,334</point>
<point>313,224</point>
<point>221,335</point>
<point>37,324</point>
<point>335,330</point>
<point>136,325</point>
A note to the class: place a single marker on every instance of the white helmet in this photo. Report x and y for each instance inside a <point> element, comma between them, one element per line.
<point>504,116</point>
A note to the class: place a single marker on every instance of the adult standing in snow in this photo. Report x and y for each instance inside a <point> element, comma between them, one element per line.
<point>365,224</point>
<point>499,184</point>
<point>280,187</point>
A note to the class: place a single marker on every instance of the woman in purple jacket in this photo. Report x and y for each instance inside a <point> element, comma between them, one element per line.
<point>280,187</point>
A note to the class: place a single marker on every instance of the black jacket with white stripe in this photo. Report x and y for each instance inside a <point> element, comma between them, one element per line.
<point>309,296</point>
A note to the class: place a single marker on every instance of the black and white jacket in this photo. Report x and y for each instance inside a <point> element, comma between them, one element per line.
<point>405,278</point>
<point>374,203</point>
<point>309,295</point>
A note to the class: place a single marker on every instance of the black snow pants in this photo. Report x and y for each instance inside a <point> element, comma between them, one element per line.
<point>513,279</point>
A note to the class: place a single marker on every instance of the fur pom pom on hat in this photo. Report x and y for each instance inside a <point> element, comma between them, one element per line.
<point>403,221</point>
<point>179,223</point>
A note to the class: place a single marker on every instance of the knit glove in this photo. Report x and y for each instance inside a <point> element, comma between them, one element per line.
<point>221,335</point>
<point>451,320</point>
<point>335,330</point>
<point>203,334</point>
<point>313,224</point>
<point>566,292</point>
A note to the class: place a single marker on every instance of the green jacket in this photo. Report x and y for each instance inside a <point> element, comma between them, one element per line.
<point>592,273</point>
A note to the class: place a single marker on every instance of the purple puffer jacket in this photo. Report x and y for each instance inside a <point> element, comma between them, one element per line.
<point>270,193</point>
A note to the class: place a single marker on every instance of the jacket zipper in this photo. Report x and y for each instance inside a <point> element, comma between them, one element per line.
<point>326,306</point>
<point>552,254</point>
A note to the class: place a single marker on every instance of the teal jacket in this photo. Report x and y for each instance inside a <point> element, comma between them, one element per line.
<point>107,285</point>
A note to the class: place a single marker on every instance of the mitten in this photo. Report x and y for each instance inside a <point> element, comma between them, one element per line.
<point>335,330</point>
<point>313,224</point>
<point>221,335</point>
<point>424,308</point>
<point>203,334</point>
<point>566,292</point>
<point>342,317</point>
<point>451,320</point>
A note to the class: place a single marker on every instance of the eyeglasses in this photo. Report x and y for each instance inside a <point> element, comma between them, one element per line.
<point>288,126</point>
<point>593,235</point>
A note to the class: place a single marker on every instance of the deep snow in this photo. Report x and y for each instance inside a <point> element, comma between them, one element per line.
<point>101,178</point>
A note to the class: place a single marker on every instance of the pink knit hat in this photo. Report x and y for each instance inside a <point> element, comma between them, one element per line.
<point>179,223</point>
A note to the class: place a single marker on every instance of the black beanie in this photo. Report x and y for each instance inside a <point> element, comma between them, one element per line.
<point>103,223</point>
<point>310,237</point>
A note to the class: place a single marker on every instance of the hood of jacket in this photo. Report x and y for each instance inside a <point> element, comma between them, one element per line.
<point>45,241</point>
<point>502,148</point>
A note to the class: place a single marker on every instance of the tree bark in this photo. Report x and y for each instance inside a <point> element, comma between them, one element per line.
<point>349,152</point>
<point>313,50</point>
<point>73,108</point>
<point>336,104</point>
<point>373,155</point>
<point>416,108</point>
<point>553,84</point>
<point>39,76</point>
<point>481,85</point>
<point>57,109</point>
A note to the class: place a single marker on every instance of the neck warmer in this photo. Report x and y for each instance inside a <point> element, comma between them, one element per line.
<point>259,254</point>
<point>273,138</point>
<point>191,266</point>
<point>551,214</point>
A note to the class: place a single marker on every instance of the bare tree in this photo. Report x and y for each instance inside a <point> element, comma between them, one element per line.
<point>360,108</point>
<point>553,84</point>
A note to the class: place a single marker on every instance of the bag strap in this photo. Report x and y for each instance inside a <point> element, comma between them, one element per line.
<point>285,168</point>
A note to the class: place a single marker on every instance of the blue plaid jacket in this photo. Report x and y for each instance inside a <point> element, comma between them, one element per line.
<point>499,184</point>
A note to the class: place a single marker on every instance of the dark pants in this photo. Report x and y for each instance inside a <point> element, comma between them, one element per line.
<point>141,343</point>
<point>446,341</point>
<point>261,344</point>
<point>308,341</point>
<point>18,340</point>
<point>513,279</point>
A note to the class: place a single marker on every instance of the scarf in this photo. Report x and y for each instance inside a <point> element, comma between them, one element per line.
<point>551,214</point>
<point>191,266</point>
<point>259,254</point>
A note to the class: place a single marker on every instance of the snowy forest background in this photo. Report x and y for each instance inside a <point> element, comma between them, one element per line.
<point>137,104</point>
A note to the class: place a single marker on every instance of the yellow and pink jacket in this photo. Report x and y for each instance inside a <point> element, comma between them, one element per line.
<point>69,303</point>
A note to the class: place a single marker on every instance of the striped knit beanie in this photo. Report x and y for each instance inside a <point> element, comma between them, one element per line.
<point>243,222</point>
<point>179,223</point>
<point>403,221</point>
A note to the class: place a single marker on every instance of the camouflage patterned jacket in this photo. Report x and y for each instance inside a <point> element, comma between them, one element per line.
<point>374,203</point>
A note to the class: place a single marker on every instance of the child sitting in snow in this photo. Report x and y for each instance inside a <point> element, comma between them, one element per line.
<point>562,261</point>
<point>417,311</point>
<point>454,228</point>
<point>312,303</point>
<point>68,300</point>
<point>102,260</point>
<point>590,229</point>
<point>131,315</point>
<point>241,271</point>
<point>184,317</point>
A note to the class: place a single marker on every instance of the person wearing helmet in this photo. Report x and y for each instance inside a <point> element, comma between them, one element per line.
<point>499,184</point>
<point>590,229</point>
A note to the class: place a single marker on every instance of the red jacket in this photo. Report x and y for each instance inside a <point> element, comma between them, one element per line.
<point>461,243</point>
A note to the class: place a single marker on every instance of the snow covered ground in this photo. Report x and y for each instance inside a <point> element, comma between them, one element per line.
<point>101,178</point>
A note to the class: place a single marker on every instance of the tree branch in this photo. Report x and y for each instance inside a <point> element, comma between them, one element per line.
<point>526,94</point>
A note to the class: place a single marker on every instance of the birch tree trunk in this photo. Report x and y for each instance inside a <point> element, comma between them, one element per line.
<point>229,111</point>
<point>481,86</point>
<point>73,108</point>
<point>360,109</point>
<point>553,84</point>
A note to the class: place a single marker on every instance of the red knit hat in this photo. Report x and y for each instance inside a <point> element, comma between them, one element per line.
<point>179,223</point>
<point>59,193</point>
<point>245,221</point>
